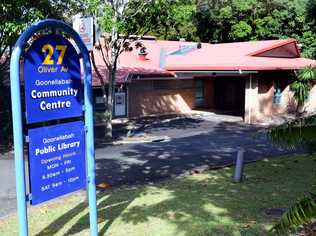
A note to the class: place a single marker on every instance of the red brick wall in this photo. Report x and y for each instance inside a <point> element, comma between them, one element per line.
<point>266,87</point>
<point>154,97</point>
<point>265,96</point>
<point>178,96</point>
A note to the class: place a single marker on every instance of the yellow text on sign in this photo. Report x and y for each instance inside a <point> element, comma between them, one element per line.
<point>49,49</point>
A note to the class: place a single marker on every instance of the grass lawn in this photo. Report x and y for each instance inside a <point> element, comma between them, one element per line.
<point>198,205</point>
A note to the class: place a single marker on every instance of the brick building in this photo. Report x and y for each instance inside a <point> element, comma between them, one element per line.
<point>248,79</point>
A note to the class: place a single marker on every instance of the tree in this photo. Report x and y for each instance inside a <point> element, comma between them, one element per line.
<point>311,13</point>
<point>174,20</point>
<point>302,85</point>
<point>308,38</point>
<point>308,42</point>
<point>240,20</point>
<point>301,213</point>
<point>118,20</point>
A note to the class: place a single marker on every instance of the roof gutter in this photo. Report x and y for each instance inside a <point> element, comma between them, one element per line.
<point>154,78</point>
<point>213,73</point>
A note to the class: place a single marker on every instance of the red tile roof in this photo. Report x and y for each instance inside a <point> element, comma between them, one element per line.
<point>165,57</point>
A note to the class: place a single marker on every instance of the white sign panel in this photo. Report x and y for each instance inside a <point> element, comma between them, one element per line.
<point>84,27</point>
<point>120,104</point>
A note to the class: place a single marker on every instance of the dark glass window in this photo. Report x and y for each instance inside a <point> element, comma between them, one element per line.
<point>199,92</point>
<point>277,96</point>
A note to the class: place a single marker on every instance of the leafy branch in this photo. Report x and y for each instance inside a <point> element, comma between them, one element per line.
<point>301,213</point>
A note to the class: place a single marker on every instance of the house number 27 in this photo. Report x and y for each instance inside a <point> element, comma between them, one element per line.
<point>49,49</point>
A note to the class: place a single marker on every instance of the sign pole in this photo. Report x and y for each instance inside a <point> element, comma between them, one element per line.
<point>90,146</point>
<point>18,128</point>
<point>18,139</point>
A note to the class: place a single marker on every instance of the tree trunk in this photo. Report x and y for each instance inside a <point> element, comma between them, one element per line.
<point>99,77</point>
<point>300,109</point>
<point>111,66</point>
<point>110,102</point>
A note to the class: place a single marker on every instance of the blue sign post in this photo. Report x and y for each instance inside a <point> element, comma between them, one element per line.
<point>53,90</point>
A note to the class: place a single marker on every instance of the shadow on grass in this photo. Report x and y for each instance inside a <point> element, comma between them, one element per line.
<point>55,226</point>
<point>201,205</point>
<point>109,208</point>
<point>194,206</point>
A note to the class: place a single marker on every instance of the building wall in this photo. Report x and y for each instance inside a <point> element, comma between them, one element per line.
<point>251,100</point>
<point>267,87</point>
<point>160,96</point>
<point>266,90</point>
<point>265,97</point>
<point>178,96</point>
<point>259,104</point>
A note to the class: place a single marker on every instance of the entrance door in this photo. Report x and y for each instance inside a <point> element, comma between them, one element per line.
<point>230,95</point>
<point>120,104</point>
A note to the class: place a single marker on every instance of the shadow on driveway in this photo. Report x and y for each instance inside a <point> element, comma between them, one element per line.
<point>217,146</point>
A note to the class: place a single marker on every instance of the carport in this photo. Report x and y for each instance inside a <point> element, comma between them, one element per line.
<point>225,92</point>
<point>229,95</point>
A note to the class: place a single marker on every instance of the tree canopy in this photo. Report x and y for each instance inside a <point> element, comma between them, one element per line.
<point>201,20</point>
<point>234,20</point>
<point>17,14</point>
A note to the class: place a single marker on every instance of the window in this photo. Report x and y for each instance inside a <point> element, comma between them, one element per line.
<point>199,93</point>
<point>277,96</point>
<point>99,105</point>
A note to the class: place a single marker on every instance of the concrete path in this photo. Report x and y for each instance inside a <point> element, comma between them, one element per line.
<point>7,184</point>
<point>196,142</point>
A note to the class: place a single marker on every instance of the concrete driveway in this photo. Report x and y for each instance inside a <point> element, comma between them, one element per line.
<point>196,142</point>
<point>192,144</point>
